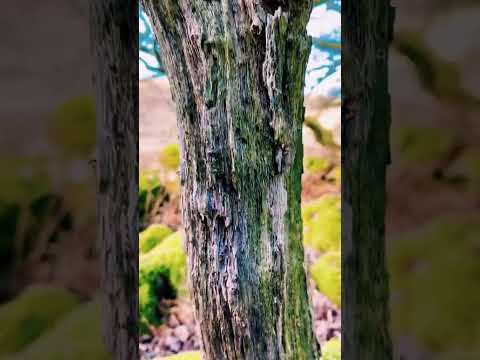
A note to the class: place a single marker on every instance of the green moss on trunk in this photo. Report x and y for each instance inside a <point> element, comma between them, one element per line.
<point>236,71</point>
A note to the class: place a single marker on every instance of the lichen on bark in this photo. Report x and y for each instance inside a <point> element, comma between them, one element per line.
<point>236,70</point>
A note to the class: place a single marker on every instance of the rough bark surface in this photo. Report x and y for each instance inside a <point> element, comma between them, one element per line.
<point>367,31</point>
<point>236,69</point>
<point>114,34</point>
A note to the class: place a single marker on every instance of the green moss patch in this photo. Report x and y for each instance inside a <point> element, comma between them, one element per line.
<point>77,337</point>
<point>439,262</point>
<point>315,165</point>
<point>36,310</point>
<point>152,236</point>
<point>326,272</point>
<point>170,157</point>
<point>336,175</point>
<point>162,275</point>
<point>189,355</point>
<point>423,144</point>
<point>332,350</point>
<point>23,179</point>
<point>73,124</point>
<point>321,223</point>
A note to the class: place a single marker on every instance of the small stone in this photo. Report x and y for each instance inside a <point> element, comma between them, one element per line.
<point>185,315</point>
<point>173,321</point>
<point>145,339</point>
<point>321,330</point>
<point>196,342</point>
<point>190,345</point>
<point>193,330</point>
<point>330,334</point>
<point>182,332</point>
<point>173,344</point>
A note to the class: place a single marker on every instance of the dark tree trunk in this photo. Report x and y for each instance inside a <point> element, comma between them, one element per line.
<point>367,30</point>
<point>114,33</point>
<point>236,70</point>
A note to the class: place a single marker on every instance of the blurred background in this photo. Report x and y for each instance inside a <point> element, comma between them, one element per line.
<point>433,229</point>
<point>48,250</point>
<point>167,323</point>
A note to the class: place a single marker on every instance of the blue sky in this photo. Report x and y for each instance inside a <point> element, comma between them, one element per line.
<point>323,71</point>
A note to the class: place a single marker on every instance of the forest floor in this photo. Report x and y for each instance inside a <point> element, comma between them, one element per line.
<point>179,333</point>
<point>157,130</point>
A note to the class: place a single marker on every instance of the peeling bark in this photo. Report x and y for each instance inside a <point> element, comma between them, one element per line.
<point>114,35</point>
<point>236,70</point>
<point>367,31</point>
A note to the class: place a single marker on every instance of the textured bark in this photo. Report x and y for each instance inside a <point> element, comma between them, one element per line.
<point>114,32</point>
<point>367,30</point>
<point>236,69</point>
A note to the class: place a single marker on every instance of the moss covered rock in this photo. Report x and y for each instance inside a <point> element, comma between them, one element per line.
<point>326,272</point>
<point>77,337</point>
<point>423,144</point>
<point>152,236</point>
<point>23,178</point>
<point>36,310</point>
<point>189,355</point>
<point>162,275</point>
<point>170,157</point>
<point>74,124</point>
<point>439,261</point>
<point>315,164</point>
<point>321,223</point>
<point>332,350</point>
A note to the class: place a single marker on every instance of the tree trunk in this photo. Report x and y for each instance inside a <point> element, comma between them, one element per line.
<point>367,30</point>
<point>114,34</point>
<point>236,69</point>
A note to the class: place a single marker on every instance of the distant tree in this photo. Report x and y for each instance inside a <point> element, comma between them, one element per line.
<point>114,33</point>
<point>236,70</point>
<point>367,31</point>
